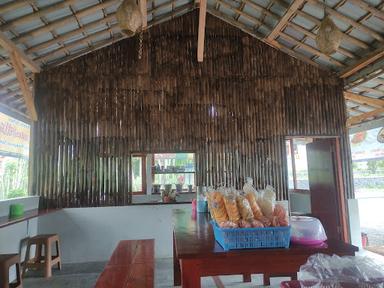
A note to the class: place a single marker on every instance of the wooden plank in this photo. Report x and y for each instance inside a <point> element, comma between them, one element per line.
<point>364,62</point>
<point>378,103</point>
<point>63,21</point>
<point>15,4</point>
<point>63,37</point>
<point>201,32</point>
<point>43,11</point>
<point>143,9</point>
<point>24,86</point>
<point>11,47</point>
<point>358,119</point>
<point>287,16</point>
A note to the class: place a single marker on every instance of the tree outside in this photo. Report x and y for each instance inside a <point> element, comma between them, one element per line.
<point>13,177</point>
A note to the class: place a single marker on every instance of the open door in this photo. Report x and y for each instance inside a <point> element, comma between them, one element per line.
<point>323,184</point>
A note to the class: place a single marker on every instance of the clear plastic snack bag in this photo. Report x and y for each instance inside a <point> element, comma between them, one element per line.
<point>332,270</point>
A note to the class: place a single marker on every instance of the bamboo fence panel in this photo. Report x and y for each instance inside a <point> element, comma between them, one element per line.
<point>233,110</point>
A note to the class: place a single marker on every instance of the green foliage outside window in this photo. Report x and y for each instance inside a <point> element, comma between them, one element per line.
<point>13,177</point>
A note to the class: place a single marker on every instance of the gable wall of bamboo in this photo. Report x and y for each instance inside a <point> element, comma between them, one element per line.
<point>234,110</point>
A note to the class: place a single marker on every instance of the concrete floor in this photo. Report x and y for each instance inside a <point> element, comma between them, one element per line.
<point>85,276</point>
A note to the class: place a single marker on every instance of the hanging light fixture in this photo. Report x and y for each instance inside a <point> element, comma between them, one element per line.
<point>129,17</point>
<point>328,37</point>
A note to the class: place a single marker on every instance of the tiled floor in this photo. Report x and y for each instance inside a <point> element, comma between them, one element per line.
<point>85,276</point>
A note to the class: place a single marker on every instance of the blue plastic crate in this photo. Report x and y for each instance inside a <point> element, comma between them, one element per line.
<point>244,238</point>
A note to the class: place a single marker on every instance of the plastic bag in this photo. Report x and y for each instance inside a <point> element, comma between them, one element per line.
<point>217,206</point>
<point>347,269</point>
<point>244,208</point>
<point>267,201</point>
<point>252,195</point>
<point>231,206</point>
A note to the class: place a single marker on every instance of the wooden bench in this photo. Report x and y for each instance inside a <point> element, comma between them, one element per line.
<point>131,265</point>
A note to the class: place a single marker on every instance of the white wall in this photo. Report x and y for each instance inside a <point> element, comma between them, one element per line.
<point>12,238</point>
<point>354,222</point>
<point>91,234</point>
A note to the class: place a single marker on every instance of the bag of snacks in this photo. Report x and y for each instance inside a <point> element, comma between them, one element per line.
<point>267,201</point>
<point>251,195</point>
<point>231,206</point>
<point>280,215</point>
<point>217,206</point>
<point>244,208</point>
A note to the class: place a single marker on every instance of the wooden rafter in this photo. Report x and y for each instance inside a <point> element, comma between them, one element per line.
<point>364,62</point>
<point>63,37</point>
<point>292,9</point>
<point>143,9</point>
<point>17,65</point>
<point>354,120</point>
<point>11,47</point>
<point>91,37</point>
<point>63,21</point>
<point>36,14</point>
<point>365,100</point>
<point>201,31</point>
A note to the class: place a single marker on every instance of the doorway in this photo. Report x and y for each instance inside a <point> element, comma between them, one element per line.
<point>315,183</point>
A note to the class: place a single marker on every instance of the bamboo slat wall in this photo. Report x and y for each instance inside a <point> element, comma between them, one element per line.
<point>234,110</point>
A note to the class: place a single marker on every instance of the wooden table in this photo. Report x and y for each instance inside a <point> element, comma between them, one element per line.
<point>196,254</point>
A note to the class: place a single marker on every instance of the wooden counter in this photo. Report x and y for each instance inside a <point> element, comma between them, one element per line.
<point>7,221</point>
<point>197,254</point>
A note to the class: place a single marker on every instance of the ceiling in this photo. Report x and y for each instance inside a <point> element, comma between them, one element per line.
<point>52,32</point>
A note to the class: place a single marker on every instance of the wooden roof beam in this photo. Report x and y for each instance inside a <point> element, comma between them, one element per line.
<point>364,62</point>
<point>63,21</point>
<point>74,44</point>
<point>291,11</point>
<point>201,31</point>
<point>11,47</point>
<point>67,35</point>
<point>354,120</point>
<point>25,19</point>
<point>17,65</point>
<point>365,100</point>
<point>15,4</point>
<point>255,34</point>
<point>143,10</point>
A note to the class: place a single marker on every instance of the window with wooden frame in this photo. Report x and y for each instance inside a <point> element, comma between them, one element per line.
<point>297,164</point>
<point>138,174</point>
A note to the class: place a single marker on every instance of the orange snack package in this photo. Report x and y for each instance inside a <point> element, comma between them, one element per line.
<point>254,206</point>
<point>219,212</point>
<point>244,208</point>
<point>231,207</point>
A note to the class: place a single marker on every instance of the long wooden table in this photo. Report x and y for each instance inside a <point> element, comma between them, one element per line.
<point>131,265</point>
<point>196,254</point>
